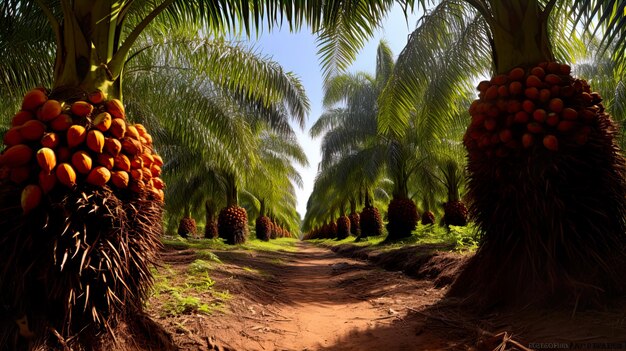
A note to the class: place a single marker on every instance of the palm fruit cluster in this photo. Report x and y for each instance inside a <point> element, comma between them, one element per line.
<point>232,225</point>
<point>428,217</point>
<point>549,191</point>
<point>343,227</point>
<point>355,227</point>
<point>542,107</point>
<point>455,213</point>
<point>403,218</point>
<point>187,227</point>
<point>371,222</point>
<point>210,230</point>
<point>82,208</point>
<point>263,228</point>
<point>62,144</point>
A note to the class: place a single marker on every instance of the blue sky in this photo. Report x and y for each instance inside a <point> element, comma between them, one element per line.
<point>297,52</point>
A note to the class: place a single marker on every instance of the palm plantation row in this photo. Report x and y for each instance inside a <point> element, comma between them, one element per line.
<point>219,116</point>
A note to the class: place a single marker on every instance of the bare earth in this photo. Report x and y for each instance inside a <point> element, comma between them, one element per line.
<point>309,300</point>
<point>314,299</point>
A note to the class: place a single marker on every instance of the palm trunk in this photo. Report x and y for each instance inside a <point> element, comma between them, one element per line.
<point>210,229</point>
<point>90,285</point>
<point>549,194</point>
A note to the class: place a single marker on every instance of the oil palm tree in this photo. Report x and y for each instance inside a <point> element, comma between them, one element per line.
<point>532,174</point>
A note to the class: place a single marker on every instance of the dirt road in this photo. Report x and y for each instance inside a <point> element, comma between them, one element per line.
<point>311,299</point>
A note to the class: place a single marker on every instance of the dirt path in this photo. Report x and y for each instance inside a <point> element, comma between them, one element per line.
<point>311,299</point>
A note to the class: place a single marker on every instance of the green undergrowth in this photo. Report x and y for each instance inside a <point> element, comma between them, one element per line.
<point>281,244</point>
<point>192,291</point>
<point>460,239</point>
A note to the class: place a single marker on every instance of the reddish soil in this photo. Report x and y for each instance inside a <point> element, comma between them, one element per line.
<point>315,299</point>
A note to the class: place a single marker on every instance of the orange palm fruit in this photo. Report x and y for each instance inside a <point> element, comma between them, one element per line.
<point>47,181</point>
<point>112,146</point>
<point>33,99</point>
<point>66,174</point>
<point>106,161</point>
<point>98,176</point>
<point>131,132</point>
<point>115,108</point>
<point>122,162</point>
<point>31,197</point>
<point>17,155</point>
<point>118,128</point>
<point>158,183</point>
<point>120,179</point>
<point>141,129</point>
<point>157,160</point>
<point>103,121</point>
<point>62,123</point>
<point>95,141</point>
<point>76,135</point>
<point>21,117</point>
<point>81,108</point>
<point>155,170</point>
<point>46,159</point>
<point>32,130</point>
<point>131,146</point>
<point>81,161</point>
<point>96,97</point>
<point>13,137</point>
<point>136,162</point>
<point>49,110</point>
<point>50,140</point>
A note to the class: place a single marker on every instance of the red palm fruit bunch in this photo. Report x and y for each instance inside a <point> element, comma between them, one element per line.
<point>66,144</point>
<point>343,227</point>
<point>428,217</point>
<point>82,204</point>
<point>455,213</point>
<point>187,227</point>
<point>355,227</point>
<point>263,228</point>
<point>232,225</point>
<point>371,222</point>
<point>273,230</point>
<point>403,218</point>
<point>210,230</point>
<point>332,230</point>
<point>542,107</point>
<point>546,184</point>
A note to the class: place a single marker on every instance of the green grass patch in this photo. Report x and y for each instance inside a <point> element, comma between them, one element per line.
<point>281,244</point>
<point>462,239</point>
<point>189,292</point>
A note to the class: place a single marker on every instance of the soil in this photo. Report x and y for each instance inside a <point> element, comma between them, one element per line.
<point>316,299</point>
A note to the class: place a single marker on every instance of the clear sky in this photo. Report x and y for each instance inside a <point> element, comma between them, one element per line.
<point>297,52</point>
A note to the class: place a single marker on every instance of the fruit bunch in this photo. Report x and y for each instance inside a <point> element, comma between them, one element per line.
<point>403,217</point>
<point>455,213</point>
<point>343,227</point>
<point>354,223</point>
<point>332,230</point>
<point>232,225</point>
<point>210,230</point>
<point>273,230</point>
<point>263,228</point>
<point>187,227</point>
<point>542,107</point>
<point>54,144</point>
<point>428,217</point>
<point>371,222</point>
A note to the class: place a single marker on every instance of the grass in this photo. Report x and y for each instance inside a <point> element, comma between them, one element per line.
<point>191,292</point>
<point>462,239</point>
<point>201,245</point>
